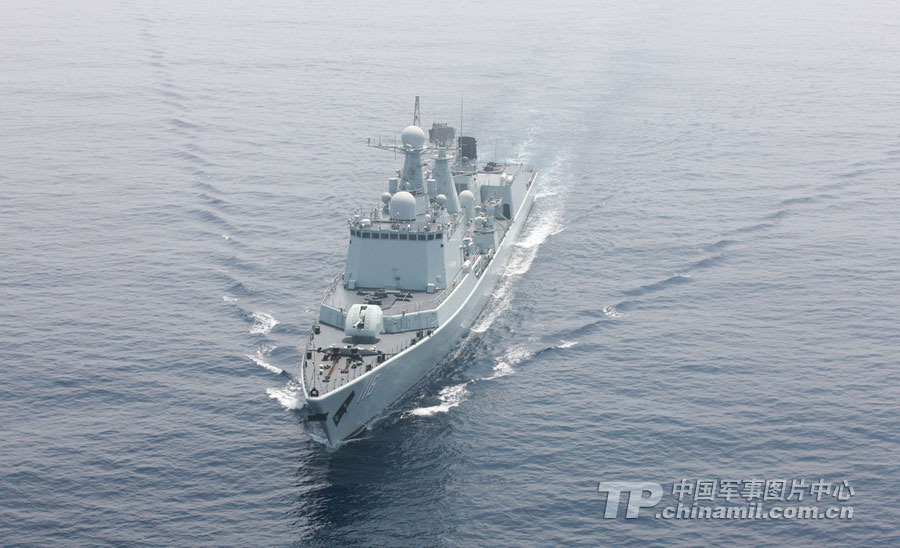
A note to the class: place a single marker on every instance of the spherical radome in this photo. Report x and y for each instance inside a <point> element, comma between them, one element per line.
<point>403,206</point>
<point>466,199</point>
<point>413,137</point>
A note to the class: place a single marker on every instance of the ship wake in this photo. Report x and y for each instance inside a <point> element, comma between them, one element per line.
<point>546,220</point>
<point>290,396</point>
<point>260,358</point>
<point>451,396</point>
<point>263,322</point>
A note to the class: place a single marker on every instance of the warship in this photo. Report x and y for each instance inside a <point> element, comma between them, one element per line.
<point>421,266</point>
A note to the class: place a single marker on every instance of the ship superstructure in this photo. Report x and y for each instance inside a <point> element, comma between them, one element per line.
<point>420,267</point>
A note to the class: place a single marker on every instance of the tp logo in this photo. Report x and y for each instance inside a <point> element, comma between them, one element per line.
<point>636,500</point>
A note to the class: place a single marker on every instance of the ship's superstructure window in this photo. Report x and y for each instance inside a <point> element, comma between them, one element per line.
<point>403,236</point>
<point>394,236</point>
<point>384,235</point>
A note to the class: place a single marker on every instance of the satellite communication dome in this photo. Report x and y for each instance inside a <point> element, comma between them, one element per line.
<point>441,200</point>
<point>386,198</point>
<point>403,206</point>
<point>467,199</point>
<point>413,137</point>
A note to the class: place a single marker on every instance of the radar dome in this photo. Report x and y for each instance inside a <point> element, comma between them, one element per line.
<point>467,199</point>
<point>413,137</point>
<point>386,198</point>
<point>441,200</point>
<point>403,206</point>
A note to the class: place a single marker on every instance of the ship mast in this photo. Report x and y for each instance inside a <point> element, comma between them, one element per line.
<point>417,121</point>
<point>461,114</point>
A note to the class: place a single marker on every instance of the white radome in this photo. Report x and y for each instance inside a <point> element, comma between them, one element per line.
<point>413,137</point>
<point>403,206</point>
<point>467,199</point>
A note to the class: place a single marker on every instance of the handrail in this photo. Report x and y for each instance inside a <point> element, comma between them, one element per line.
<point>329,291</point>
<point>401,309</point>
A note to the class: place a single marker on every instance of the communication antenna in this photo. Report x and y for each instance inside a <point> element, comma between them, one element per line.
<point>416,117</point>
<point>461,114</point>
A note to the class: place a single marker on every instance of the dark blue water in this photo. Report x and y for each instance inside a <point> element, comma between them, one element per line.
<point>708,286</point>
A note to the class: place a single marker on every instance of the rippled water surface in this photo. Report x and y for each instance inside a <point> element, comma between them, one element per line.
<point>708,285</point>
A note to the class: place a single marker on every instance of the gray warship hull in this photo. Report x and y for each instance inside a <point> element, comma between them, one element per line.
<point>345,411</point>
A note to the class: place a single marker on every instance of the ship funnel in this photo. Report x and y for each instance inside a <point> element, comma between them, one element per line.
<point>444,181</point>
<point>467,148</point>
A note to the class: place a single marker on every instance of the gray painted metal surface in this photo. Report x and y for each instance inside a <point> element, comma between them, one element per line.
<point>430,278</point>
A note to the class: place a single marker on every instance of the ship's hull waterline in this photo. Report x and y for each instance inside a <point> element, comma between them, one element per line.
<point>360,401</point>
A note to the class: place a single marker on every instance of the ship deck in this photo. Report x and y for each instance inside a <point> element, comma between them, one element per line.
<point>391,301</point>
<point>333,359</point>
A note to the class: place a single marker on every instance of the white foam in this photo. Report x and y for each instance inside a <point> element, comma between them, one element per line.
<point>259,358</point>
<point>545,221</point>
<point>611,312</point>
<point>506,365</point>
<point>320,438</point>
<point>567,344</point>
<point>263,322</point>
<point>450,397</point>
<point>290,396</point>
<point>229,299</point>
<point>317,434</point>
<point>288,400</point>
